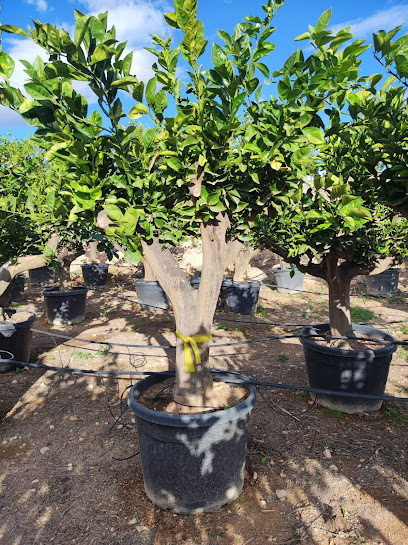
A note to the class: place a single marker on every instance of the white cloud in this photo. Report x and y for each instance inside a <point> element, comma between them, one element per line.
<point>135,20</point>
<point>22,50</point>
<point>41,5</point>
<point>385,19</point>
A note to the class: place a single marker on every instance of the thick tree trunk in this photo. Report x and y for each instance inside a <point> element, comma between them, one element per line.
<point>193,309</point>
<point>93,251</point>
<point>26,263</point>
<point>339,298</point>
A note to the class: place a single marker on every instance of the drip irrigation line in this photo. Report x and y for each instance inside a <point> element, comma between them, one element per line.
<point>235,343</point>
<point>229,377</point>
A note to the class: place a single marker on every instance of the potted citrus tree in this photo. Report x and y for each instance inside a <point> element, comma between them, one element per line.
<point>151,194</point>
<point>337,229</point>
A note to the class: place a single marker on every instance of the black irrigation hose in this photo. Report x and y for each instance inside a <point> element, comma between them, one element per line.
<point>221,376</point>
<point>236,343</point>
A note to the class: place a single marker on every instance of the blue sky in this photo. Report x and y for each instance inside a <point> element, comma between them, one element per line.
<point>136,20</point>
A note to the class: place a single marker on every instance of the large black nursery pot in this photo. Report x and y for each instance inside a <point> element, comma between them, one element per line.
<point>383,284</point>
<point>191,463</point>
<point>150,294</point>
<point>95,274</point>
<point>288,280</point>
<point>351,371</point>
<point>240,297</point>
<point>15,340</point>
<point>195,284</point>
<point>40,276</point>
<point>65,308</point>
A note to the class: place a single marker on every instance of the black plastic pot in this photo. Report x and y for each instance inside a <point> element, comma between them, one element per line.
<point>65,308</point>
<point>240,297</point>
<point>352,371</point>
<point>383,284</point>
<point>191,463</point>
<point>43,275</point>
<point>285,283</point>
<point>195,284</point>
<point>15,340</point>
<point>95,274</point>
<point>17,288</point>
<point>150,294</point>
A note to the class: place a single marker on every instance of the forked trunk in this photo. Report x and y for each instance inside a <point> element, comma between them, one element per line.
<point>242,261</point>
<point>194,312</point>
<point>65,257</point>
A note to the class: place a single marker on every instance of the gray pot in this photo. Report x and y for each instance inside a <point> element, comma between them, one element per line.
<point>15,341</point>
<point>65,308</point>
<point>383,284</point>
<point>191,463</point>
<point>285,283</point>
<point>151,296</point>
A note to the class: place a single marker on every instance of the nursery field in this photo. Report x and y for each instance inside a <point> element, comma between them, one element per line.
<point>70,472</point>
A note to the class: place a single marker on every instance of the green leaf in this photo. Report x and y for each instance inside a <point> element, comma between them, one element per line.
<point>6,64</point>
<point>150,89</point>
<point>101,53</point>
<point>133,257</point>
<point>218,56</point>
<point>137,111</point>
<point>304,36</point>
<point>11,29</point>
<point>314,135</point>
<point>323,20</point>
<point>263,68</point>
<point>171,19</point>
<point>37,91</point>
<point>80,29</point>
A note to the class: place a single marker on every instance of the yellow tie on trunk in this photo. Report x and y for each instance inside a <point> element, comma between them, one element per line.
<point>189,366</point>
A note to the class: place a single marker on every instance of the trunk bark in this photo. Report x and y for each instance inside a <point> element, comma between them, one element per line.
<point>26,263</point>
<point>65,257</point>
<point>242,261</point>
<point>193,310</point>
<point>149,275</point>
<point>93,251</point>
<point>339,298</point>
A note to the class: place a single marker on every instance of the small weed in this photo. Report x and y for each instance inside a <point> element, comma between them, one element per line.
<point>400,387</point>
<point>240,498</point>
<point>354,540</point>
<point>405,329</point>
<point>48,443</point>
<point>17,307</point>
<point>304,314</point>
<point>396,415</point>
<point>51,358</point>
<point>261,312</point>
<point>108,311</point>
<point>221,325</point>
<point>359,314</point>
<point>282,358</point>
<point>264,460</point>
<point>397,299</point>
<point>404,352</point>
<point>83,355</point>
<point>343,511</point>
<point>19,369</point>
<point>239,328</point>
<point>338,415</point>
<point>104,349</point>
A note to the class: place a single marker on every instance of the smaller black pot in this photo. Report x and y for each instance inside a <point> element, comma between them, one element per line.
<point>240,297</point>
<point>65,308</point>
<point>95,274</point>
<point>15,341</point>
<point>151,296</point>
<point>40,276</point>
<point>351,371</point>
<point>17,288</point>
<point>285,283</point>
<point>383,284</point>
